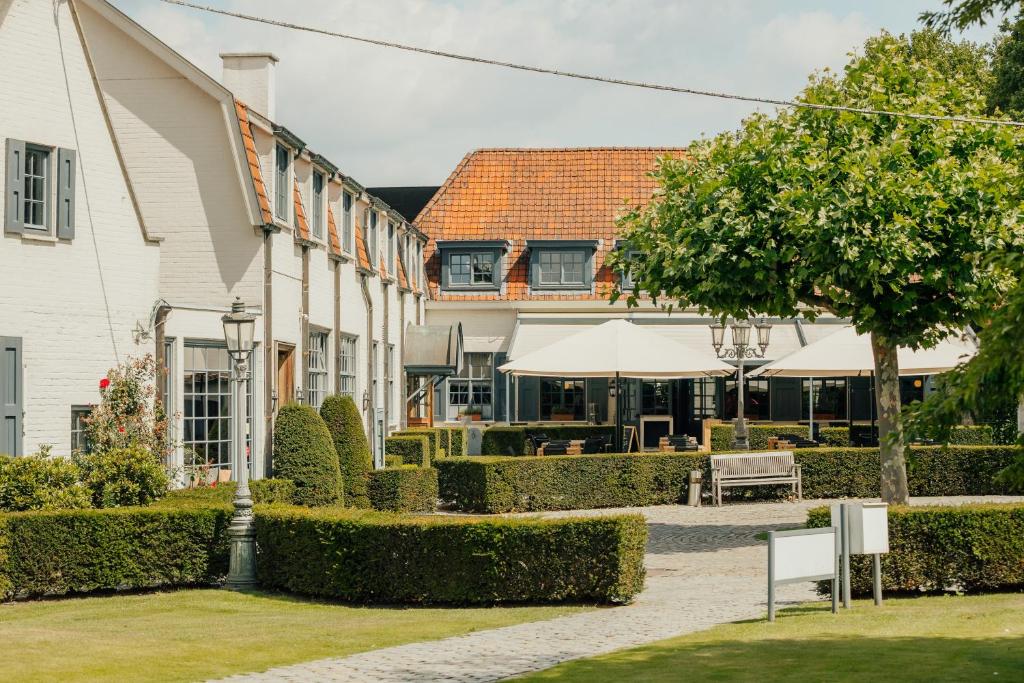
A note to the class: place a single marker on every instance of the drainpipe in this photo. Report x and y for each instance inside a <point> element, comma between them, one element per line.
<point>369,365</point>
<point>269,364</point>
<point>402,383</point>
<point>386,336</point>
<point>337,326</point>
<point>304,325</point>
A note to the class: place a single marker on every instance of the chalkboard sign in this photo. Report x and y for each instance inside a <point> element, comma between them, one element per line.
<point>629,437</point>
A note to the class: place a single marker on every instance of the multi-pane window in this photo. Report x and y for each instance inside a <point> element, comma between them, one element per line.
<point>562,399</point>
<point>471,269</point>
<point>318,205</point>
<point>37,188</point>
<point>472,390</point>
<point>374,358</point>
<point>391,247</point>
<point>704,397</point>
<point>656,397</point>
<point>756,403</point>
<point>829,398</point>
<point>627,277</point>
<point>209,413</point>
<point>389,377</point>
<point>79,441</point>
<point>281,182</point>
<point>372,246</point>
<point>346,222</point>
<point>347,366</point>
<point>562,268</point>
<point>316,378</point>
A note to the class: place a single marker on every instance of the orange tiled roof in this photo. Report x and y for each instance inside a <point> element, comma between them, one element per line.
<point>254,162</point>
<point>383,268</point>
<point>300,212</point>
<point>538,194</point>
<point>362,258</point>
<point>332,233</point>
<point>403,281</point>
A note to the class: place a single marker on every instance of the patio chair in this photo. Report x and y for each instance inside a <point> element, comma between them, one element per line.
<point>536,440</point>
<point>682,443</point>
<point>595,444</point>
<point>560,447</point>
<point>798,441</point>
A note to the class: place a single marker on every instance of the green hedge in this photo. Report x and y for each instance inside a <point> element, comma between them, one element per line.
<point>503,440</point>
<point>404,489</point>
<point>45,553</point>
<point>343,420</point>
<point>964,548</point>
<point>263,491</point>
<point>962,435</point>
<point>304,453</point>
<point>722,435</point>
<point>834,436</point>
<point>409,450</point>
<point>444,441</point>
<point>505,484</point>
<point>384,558</point>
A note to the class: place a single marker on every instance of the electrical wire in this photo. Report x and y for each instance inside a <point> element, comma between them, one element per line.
<point>602,79</point>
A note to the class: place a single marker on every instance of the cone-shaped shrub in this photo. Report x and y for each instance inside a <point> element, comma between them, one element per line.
<point>342,418</point>
<point>304,453</point>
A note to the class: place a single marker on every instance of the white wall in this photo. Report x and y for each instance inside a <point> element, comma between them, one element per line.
<point>74,304</point>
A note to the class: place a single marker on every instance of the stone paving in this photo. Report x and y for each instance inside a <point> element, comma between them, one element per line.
<point>705,566</point>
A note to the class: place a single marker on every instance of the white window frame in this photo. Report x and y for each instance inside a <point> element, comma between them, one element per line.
<point>318,203</point>
<point>347,221</point>
<point>281,212</point>
<point>47,181</point>
<point>345,373</point>
<point>317,371</point>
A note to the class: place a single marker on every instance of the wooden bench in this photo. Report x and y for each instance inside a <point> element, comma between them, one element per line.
<point>755,469</point>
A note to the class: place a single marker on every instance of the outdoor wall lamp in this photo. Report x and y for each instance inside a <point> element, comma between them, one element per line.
<point>740,351</point>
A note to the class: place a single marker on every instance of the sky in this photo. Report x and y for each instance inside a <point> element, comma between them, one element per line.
<point>389,117</point>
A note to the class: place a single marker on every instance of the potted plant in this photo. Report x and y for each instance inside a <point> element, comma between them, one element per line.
<point>474,413</point>
<point>562,413</point>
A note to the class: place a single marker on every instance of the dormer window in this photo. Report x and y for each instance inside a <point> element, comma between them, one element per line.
<point>391,248</point>
<point>318,205</point>
<point>281,174</point>
<point>626,277</point>
<point>471,265</point>
<point>346,222</point>
<point>561,264</point>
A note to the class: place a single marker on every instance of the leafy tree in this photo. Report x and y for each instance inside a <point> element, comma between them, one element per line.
<point>962,14</point>
<point>884,220</point>
<point>1006,92</point>
<point>343,420</point>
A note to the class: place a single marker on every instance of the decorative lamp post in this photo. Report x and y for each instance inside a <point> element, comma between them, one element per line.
<point>740,351</point>
<point>239,328</point>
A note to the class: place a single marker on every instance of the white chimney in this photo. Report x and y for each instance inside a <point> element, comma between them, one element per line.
<point>250,76</point>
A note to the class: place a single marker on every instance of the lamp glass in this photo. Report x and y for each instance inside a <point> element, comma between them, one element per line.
<point>740,333</point>
<point>717,335</point>
<point>764,330</point>
<point>239,330</point>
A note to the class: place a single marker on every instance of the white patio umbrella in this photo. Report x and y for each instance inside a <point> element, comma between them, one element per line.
<point>618,349</point>
<point>848,354</point>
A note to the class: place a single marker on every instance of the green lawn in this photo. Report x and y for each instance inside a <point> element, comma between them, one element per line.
<point>911,639</point>
<point>196,634</point>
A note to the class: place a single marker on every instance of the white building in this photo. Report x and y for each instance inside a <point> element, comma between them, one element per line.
<point>241,207</point>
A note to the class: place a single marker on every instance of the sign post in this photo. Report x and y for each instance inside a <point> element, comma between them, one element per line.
<point>865,531</point>
<point>802,555</point>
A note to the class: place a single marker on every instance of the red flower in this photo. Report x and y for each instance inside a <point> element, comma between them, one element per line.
<point>213,485</point>
<point>104,383</point>
<point>121,429</point>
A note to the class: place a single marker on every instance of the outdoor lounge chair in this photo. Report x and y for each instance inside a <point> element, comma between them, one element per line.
<point>682,443</point>
<point>596,444</point>
<point>536,440</point>
<point>560,447</point>
<point>798,441</point>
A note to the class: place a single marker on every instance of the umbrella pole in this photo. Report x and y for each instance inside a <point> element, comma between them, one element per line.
<point>810,409</point>
<point>618,413</point>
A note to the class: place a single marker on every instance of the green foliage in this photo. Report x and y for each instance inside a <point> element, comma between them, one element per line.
<point>834,436</point>
<point>354,459</point>
<point>444,441</point>
<point>507,484</point>
<point>263,491</point>
<point>408,450</point>
<point>129,412</point>
<point>39,482</point>
<point>79,551</point>
<point>961,435</point>
<point>122,476</point>
<point>501,440</point>
<point>433,437</point>
<point>1007,90</point>
<point>385,558</point>
<point>304,453</point>
<point>404,489</point>
<point>964,548</point>
<point>962,14</point>
<point>722,435</point>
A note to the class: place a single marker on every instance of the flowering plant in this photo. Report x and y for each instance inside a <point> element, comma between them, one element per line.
<point>129,412</point>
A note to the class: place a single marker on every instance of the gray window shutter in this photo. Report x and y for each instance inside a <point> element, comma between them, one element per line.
<point>66,194</point>
<point>11,396</point>
<point>15,187</point>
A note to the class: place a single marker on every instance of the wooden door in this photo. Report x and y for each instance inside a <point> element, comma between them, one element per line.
<point>285,374</point>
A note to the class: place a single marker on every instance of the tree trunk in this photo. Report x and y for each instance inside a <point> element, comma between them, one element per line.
<point>890,427</point>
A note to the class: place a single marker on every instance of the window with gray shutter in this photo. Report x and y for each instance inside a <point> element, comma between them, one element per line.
<point>14,192</point>
<point>11,396</point>
<point>318,205</point>
<point>281,183</point>
<point>66,193</point>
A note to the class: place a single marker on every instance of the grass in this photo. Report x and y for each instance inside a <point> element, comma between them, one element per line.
<point>197,634</point>
<point>944,638</point>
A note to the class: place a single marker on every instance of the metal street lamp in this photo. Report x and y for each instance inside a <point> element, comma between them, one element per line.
<point>239,329</point>
<point>740,351</point>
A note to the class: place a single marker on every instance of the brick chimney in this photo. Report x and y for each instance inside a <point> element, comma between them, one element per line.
<point>250,76</point>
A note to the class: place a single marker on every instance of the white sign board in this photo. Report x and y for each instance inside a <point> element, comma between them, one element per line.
<point>869,528</point>
<point>804,556</point>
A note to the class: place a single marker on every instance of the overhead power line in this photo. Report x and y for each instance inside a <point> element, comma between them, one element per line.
<point>600,79</point>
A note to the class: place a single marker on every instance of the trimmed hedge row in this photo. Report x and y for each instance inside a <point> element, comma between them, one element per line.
<point>497,484</point>
<point>408,449</point>
<point>44,553</point>
<point>965,548</point>
<point>722,435</point>
<point>381,558</point>
<point>263,491</point>
<point>444,441</point>
<point>403,489</point>
<point>962,435</point>
<point>511,440</point>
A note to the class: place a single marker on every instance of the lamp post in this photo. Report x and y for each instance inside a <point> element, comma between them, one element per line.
<point>740,351</point>
<point>239,328</point>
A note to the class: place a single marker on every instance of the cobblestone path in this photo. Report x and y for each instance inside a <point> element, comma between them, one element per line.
<point>705,566</point>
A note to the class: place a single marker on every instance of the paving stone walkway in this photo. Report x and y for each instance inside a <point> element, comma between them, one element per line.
<point>705,566</point>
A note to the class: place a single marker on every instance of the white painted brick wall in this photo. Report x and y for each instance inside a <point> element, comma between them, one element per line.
<point>73,304</point>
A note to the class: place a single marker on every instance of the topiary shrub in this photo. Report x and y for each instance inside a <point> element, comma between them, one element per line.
<point>407,450</point>
<point>39,482</point>
<point>351,446</point>
<point>304,453</point>
<point>433,436</point>
<point>404,489</point>
<point>122,476</point>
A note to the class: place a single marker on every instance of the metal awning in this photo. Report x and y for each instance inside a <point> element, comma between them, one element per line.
<point>433,349</point>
